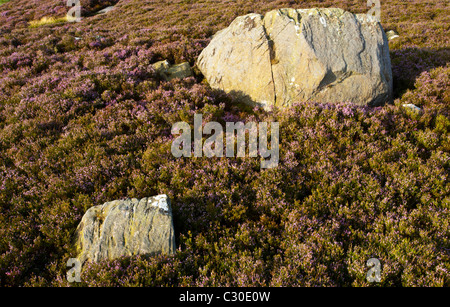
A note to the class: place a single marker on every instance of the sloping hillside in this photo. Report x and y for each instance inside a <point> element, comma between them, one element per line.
<point>84,119</point>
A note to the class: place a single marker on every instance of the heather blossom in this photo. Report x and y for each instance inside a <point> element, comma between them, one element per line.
<point>84,119</point>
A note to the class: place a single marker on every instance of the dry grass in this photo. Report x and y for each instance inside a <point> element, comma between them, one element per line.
<point>50,20</point>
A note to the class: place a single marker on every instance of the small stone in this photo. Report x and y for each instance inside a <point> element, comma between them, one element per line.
<point>168,72</point>
<point>391,35</point>
<point>105,10</point>
<point>181,71</point>
<point>161,65</point>
<point>412,107</point>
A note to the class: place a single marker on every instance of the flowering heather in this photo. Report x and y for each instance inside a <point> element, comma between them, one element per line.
<point>84,119</point>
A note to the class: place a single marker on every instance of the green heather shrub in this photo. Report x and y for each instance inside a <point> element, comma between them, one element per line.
<point>84,119</point>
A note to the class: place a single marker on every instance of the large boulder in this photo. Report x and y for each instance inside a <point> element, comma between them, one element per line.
<point>288,55</point>
<point>126,228</point>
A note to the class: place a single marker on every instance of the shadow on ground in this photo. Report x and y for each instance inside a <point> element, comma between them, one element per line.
<point>409,63</point>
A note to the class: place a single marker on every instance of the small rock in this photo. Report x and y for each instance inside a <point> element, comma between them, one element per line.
<point>105,10</point>
<point>126,228</point>
<point>412,107</point>
<point>161,66</point>
<point>391,34</point>
<point>181,71</point>
<point>168,72</point>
